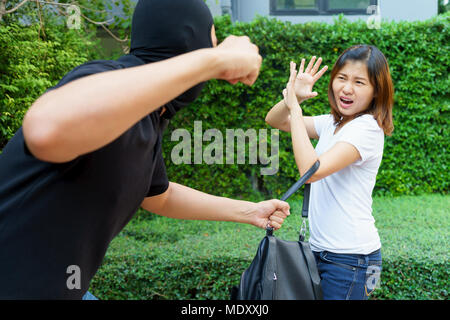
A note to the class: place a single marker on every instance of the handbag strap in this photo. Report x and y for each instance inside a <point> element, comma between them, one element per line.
<point>305,205</point>
<point>295,187</point>
<point>301,181</point>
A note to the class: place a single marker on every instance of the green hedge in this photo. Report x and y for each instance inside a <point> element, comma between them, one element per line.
<point>33,59</point>
<point>415,160</point>
<point>160,258</point>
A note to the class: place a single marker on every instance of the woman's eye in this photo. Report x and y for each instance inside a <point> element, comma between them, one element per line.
<point>359,82</point>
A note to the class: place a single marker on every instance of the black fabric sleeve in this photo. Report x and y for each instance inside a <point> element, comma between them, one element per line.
<point>160,182</point>
<point>86,69</point>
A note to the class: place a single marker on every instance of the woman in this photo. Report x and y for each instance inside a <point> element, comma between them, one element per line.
<point>343,235</point>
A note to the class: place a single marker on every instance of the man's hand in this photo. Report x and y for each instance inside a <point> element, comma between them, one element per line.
<point>240,60</point>
<point>268,213</point>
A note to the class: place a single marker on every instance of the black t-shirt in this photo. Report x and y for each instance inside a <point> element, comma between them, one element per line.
<point>57,220</point>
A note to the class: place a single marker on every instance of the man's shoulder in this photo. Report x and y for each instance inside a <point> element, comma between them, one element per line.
<point>86,69</point>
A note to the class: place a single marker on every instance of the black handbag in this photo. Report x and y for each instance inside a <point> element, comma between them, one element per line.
<point>283,270</point>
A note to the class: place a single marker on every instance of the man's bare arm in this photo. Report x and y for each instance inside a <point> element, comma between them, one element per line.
<point>88,113</point>
<point>181,202</point>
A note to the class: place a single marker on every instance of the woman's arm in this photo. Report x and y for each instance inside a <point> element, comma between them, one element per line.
<point>181,202</point>
<point>88,113</point>
<point>280,118</point>
<point>338,157</point>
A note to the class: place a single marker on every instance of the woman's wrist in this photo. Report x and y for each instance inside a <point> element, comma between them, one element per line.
<point>295,110</point>
<point>296,106</point>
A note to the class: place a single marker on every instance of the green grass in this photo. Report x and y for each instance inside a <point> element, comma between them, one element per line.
<point>414,226</point>
<point>160,258</point>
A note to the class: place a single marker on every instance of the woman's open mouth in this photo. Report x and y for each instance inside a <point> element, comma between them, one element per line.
<point>345,102</point>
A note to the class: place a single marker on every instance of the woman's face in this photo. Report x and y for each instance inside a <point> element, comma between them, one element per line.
<point>352,89</point>
<point>213,36</point>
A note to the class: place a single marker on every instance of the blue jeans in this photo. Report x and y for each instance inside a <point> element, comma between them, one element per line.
<point>89,296</point>
<point>348,276</point>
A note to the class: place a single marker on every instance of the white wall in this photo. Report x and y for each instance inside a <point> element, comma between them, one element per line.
<point>214,6</point>
<point>397,10</point>
<point>409,10</point>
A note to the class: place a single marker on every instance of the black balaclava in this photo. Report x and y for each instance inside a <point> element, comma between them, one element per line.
<point>162,29</point>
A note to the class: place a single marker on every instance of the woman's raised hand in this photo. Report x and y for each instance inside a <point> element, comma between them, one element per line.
<point>289,95</point>
<point>306,79</point>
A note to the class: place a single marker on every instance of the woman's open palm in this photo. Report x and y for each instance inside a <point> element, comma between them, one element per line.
<point>306,79</point>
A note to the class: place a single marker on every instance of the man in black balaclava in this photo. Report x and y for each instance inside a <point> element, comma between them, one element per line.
<point>164,30</point>
<point>89,152</point>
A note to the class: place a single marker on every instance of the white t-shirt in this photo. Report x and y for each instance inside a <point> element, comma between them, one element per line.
<point>340,208</point>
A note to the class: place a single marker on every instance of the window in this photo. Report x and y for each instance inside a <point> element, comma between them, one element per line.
<point>320,7</point>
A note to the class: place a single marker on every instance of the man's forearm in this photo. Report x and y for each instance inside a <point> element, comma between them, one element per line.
<point>89,113</point>
<point>186,203</point>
